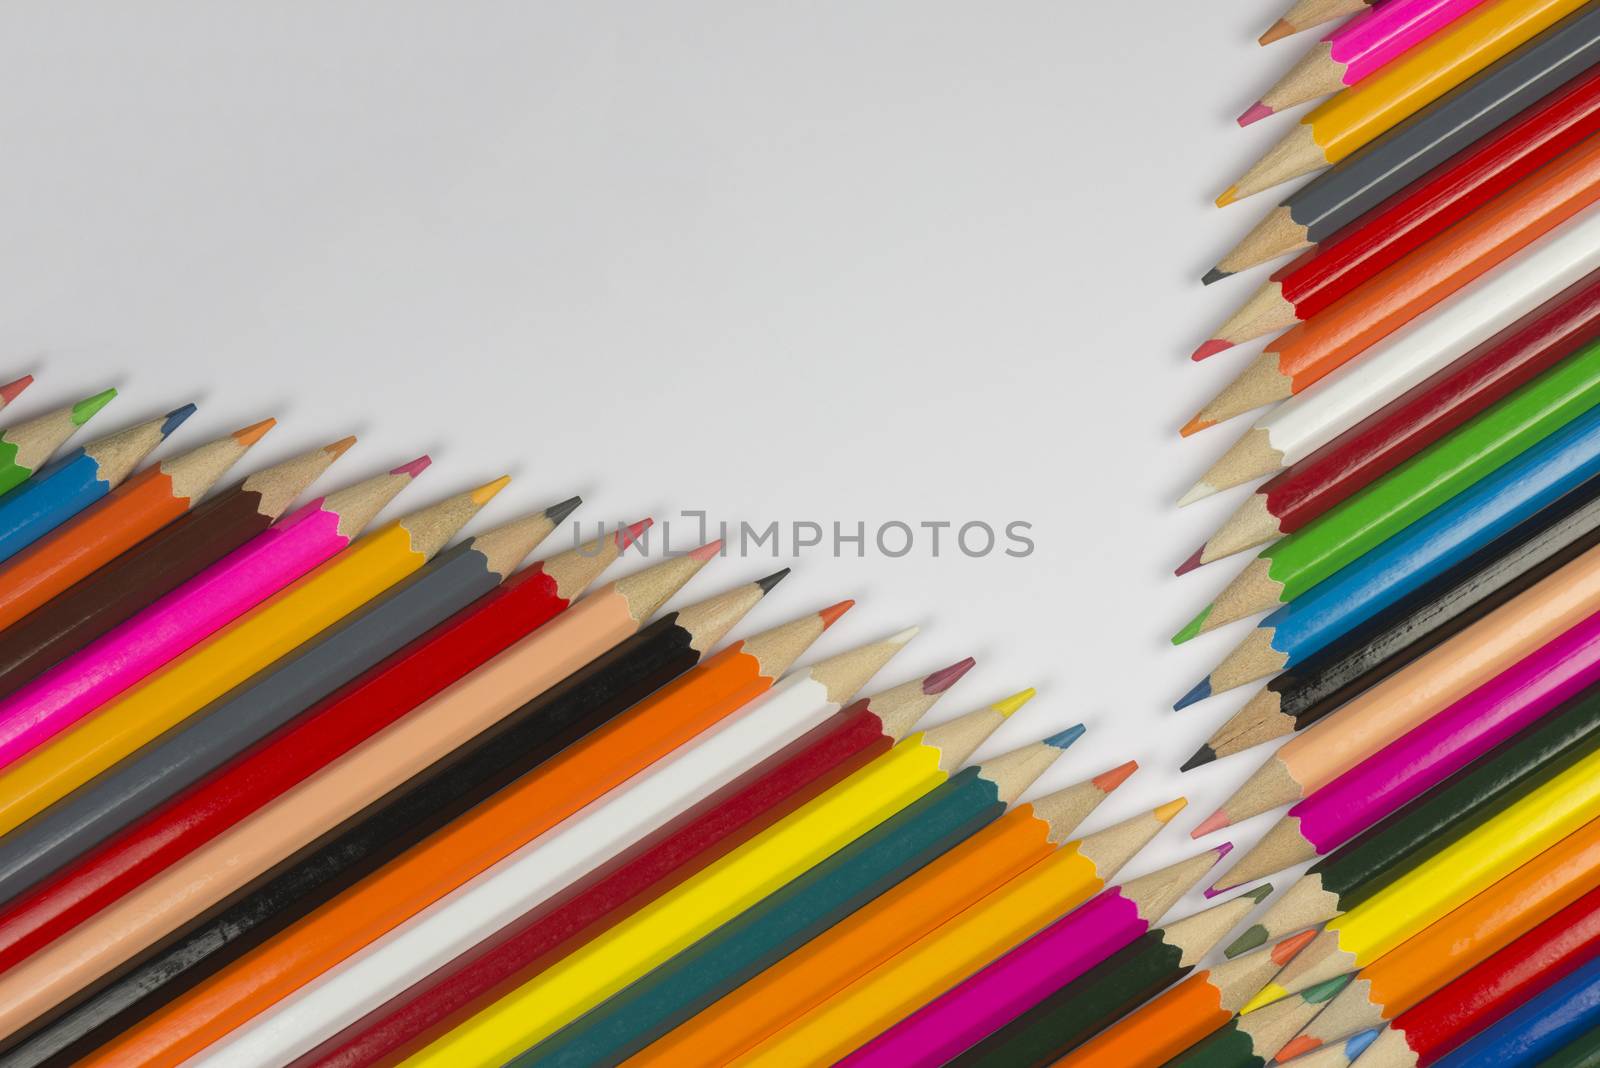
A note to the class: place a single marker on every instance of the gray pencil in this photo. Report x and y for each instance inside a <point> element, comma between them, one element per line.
<point>1416,145</point>
<point>271,698</point>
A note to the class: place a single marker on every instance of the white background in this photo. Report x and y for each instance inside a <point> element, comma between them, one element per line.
<point>849,262</point>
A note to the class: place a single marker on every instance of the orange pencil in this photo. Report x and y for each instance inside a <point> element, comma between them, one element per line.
<point>871,935</point>
<point>1201,1004</point>
<point>1422,278</point>
<point>134,510</point>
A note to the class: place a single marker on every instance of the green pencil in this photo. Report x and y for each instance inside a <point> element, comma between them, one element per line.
<point>1293,565</point>
<point>28,446</point>
<point>1254,1039</point>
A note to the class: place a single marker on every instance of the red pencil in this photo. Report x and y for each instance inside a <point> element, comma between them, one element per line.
<point>1409,423</point>
<point>1473,1001</point>
<point>661,860</point>
<point>1443,196</point>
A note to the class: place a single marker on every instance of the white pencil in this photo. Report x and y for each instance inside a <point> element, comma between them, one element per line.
<point>554,860</point>
<point>1309,420</point>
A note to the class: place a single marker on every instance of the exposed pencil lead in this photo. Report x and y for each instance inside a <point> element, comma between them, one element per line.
<point>1193,627</point>
<point>1195,425</point>
<point>1009,705</point>
<point>85,409</point>
<point>706,551</point>
<point>831,614</point>
<point>1067,737</point>
<point>1216,274</point>
<point>486,492</point>
<point>629,534</point>
<point>772,580</point>
<point>1107,781</point>
<point>12,390</point>
<point>1277,32</point>
<point>944,678</point>
<point>1201,691</point>
<point>559,511</point>
<point>340,447</point>
<point>1209,348</point>
<point>1202,756</point>
<point>413,468</point>
<point>1214,822</point>
<point>1255,113</point>
<point>176,418</point>
<point>1194,557</point>
<point>253,433</point>
<point>1229,195</point>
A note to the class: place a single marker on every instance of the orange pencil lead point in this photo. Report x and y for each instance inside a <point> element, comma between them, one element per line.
<point>1194,426</point>
<point>1277,32</point>
<point>1107,781</point>
<point>831,614</point>
<point>1229,195</point>
<point>254,432</point>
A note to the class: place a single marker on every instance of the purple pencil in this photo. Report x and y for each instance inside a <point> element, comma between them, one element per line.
<point>1428,754</point>
<point>998,994</point>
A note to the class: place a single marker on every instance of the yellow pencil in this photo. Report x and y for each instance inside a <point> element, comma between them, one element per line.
<point>272,629</point>
<point>960,947</point>
<point>1446,880</point>
<point>714,895</point>
<point>1336,128</point>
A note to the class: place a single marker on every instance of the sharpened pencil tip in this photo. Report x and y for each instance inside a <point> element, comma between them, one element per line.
<point>1008,707</point>
<point>1277,32</point>
<point>1356,1045</point>
<point>1195,425</point>
<point>414,467</point>
<point>944,678</point>
<point>1264,997</point>
<point>485,493</point>
<point>1224,849</point>
<point>1209,348</point>
<point>1200,692</point>
<point>1065,738</point>
<point>1284,951</point>
<point>12,390</point>
<point>1167,812</point>
<point>558,512</point>
<point>1252,936</point>
<point>1193,562</point>
<point>254,432</point>
<point>904,636</point>
<point>1214,822</point>
<point>831,614</point>
<point>1255,113</point>
<point>1229,195</point>
<point>629,534</point>
<point>1202,756</point>
<point>85,409</point>
<point>1216,274</point>
<point>1107,781</point>
<point>340,447</point>
<point>1258,894</point>
<point>706,551</point>
<point>771,580</point>
<point>1294,1047</point>
<point>1193,627</point>
<point>176,418</point>
<point>1197,492</point>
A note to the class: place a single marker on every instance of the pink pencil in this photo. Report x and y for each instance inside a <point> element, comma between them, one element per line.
<point>1358,48</point>
<point>226,590</point>
<point>1428,754</point>
<point>993,997</point>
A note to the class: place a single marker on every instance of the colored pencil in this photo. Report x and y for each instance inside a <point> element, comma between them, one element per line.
<point>1419,690</point>
<point>787,918</point>
<point>1356,50</point>
<point>13,389</point>
<point>1555,200</point>
<point>1550,834</point>
<point>1355,870</point>
<point>787,849</point>
<point>643,838</point>
<point>1063,1020</point>
<point>1251,1040</point>
<point>1333,130</point>
<point>883,927</point>
<point>27,447</point>
<point>1535,1033</point>
<point>78,480</point>
<point>1426,1027</point>
<point>114,818</point>
<point>1461,595</point>
<point>170,555</point>
<point>1313,470</point>
<point>322,598</point>
<point>1340,536</point>
<point>1304,14</point>
<point>422,670</point>
<point>184,651</point>
<point>961,947</point>
<point>1580,1052</point>
<point>416,873</point>
<point>1515,115</point>
<point>1520,697</point>
<point>453,751</point>
<point>1183,1016</point>
<point>1053,957</point>
<point>1338,1055</point>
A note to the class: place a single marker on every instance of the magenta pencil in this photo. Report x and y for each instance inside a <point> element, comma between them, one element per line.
<point>993,997</point>
<point>226,590</point>
<point>1357,49</point>
<point>1429,753</point>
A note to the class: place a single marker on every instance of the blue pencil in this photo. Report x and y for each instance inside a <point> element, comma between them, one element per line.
<point>78,480</point>
<point>1414,556</point>
<point>1538,1028</point>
